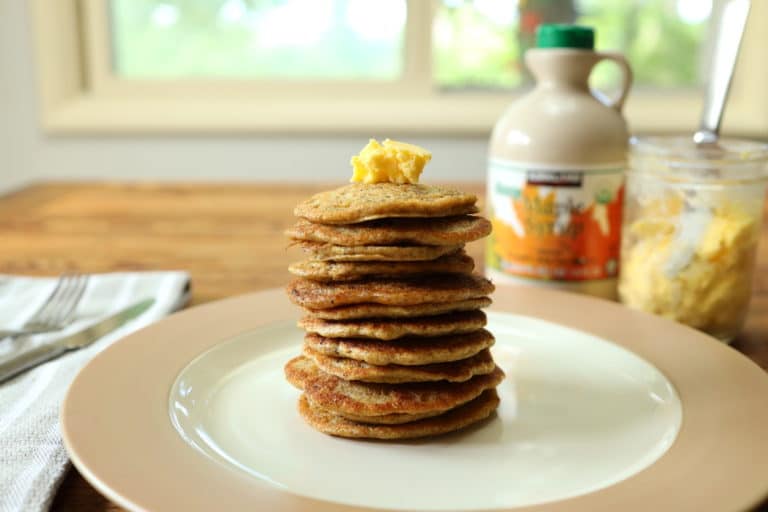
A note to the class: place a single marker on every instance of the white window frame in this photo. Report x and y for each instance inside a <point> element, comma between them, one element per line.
<point>81,95</point>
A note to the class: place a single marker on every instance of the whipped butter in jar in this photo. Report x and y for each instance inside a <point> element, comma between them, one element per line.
<point>691,226</point>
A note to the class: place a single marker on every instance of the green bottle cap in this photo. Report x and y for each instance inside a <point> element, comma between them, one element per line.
<point>565,36</point>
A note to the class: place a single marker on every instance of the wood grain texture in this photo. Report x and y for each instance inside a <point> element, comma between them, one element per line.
<point>229,237</point>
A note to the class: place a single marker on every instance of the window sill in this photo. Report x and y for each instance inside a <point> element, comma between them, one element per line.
<point>470,115</point>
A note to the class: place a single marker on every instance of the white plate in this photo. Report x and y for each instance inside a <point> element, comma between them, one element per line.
<point>577,414</point>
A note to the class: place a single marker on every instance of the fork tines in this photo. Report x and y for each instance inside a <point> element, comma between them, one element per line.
<point>59,308</point>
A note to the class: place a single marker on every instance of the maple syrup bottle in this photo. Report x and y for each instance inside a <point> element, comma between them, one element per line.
<point>555,172</point>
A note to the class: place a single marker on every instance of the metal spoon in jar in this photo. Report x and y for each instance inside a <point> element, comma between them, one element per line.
<point>728,38</point>
<point>697,213</point>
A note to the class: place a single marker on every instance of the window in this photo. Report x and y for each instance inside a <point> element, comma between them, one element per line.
<point>442,66</point>
<point>290,39</point>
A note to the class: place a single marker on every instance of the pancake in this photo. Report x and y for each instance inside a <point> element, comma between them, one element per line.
<point>390,329</point>
<point>438,231</point>
<point>329,252</point>
<point>384,419</point>
<point>351,369</point>
<point>393,292</point>
<point>456,263</point>
<point>360,202</point>
<point>455,419</point>
<point>371,399</point>
<point>408,351</point>
<point>372,310</point>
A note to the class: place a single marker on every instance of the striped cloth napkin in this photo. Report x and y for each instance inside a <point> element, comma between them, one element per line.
<point>32,456</point>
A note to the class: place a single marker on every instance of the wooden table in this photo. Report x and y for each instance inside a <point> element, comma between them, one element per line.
<point>229,237</point>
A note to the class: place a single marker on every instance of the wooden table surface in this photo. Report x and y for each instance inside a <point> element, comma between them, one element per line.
<point>228,237</point>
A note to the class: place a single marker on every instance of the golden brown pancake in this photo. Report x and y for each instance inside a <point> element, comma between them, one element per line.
<point>393,328</point>
<point>352,369</point>
<point>456,263</point>
<point>438,231</point>
<point>409,351</point>
<point>370,399</point>
<point>328,252</point>
<point>372,310</point>
<point>393,292</point>
<point>384,419</point>
<point>455,419</point>
<point>359,202</point>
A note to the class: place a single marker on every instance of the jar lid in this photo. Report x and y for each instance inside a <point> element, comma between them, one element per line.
<point>565,36</point>
<point>680,157</point>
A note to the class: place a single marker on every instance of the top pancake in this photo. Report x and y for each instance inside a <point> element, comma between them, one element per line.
<point>440,231</point>
<point>360,202</point>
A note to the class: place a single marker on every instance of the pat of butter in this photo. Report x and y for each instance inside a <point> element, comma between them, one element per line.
<point>390,161</point>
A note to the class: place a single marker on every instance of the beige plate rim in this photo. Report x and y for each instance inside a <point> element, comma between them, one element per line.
<point>117,430</point>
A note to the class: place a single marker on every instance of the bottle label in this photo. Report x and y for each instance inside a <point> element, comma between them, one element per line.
<point>555,224</point>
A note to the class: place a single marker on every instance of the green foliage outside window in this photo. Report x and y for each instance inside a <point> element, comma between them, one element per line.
<point>477,44</point>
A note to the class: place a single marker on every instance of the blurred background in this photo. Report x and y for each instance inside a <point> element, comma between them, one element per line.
<point>288,89</point>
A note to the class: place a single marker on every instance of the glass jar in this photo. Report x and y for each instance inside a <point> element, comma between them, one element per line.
<point>692,222</point>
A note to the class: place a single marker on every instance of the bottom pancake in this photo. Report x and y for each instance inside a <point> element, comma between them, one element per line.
<point>455,419</point>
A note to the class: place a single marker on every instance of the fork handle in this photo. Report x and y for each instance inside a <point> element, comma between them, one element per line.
<point>12,366</point>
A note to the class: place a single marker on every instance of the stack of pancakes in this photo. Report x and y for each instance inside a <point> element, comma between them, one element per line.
<point>395,345</point>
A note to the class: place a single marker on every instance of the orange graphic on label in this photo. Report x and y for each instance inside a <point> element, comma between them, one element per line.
<point>558,238</point>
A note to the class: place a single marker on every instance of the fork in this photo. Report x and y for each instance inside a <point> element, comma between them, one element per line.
<point>57,311</point>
